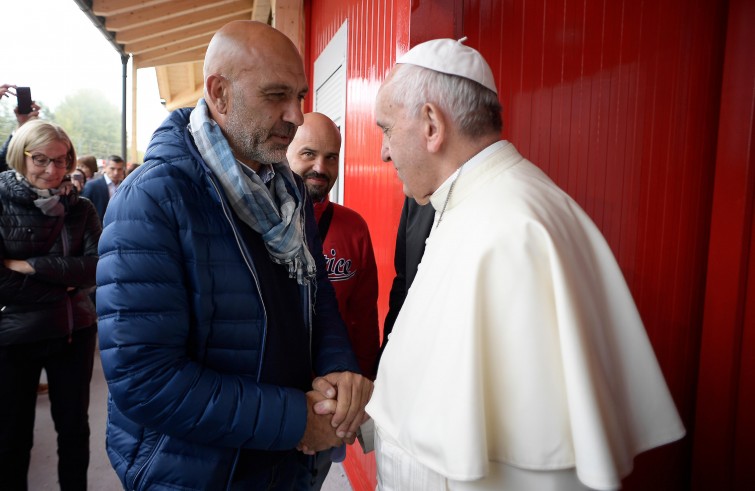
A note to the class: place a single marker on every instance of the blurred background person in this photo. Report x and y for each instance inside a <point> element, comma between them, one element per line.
<point>78,179</point>
<point>88,165</point>
<point>6,89</point>
<point>48,260</point>
<point>99,190</point>
<point>131,167</point>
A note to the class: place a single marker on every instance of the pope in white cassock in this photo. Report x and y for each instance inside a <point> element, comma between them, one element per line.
<point>519,360</point>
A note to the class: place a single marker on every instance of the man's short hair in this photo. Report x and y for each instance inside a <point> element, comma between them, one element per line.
<point>117,159</point>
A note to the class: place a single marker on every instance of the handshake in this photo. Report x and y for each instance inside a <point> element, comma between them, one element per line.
<point>335,410</point>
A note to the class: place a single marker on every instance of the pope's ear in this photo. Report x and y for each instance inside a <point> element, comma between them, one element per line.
<point>434,126</point>
<point>216,88</point>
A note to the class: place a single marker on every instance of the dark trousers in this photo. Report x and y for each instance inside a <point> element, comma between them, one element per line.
<point>321,464</point>
<point>69,372</point>
<point>290,471</point>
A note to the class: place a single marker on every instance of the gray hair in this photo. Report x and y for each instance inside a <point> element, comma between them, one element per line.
<point>473,108</point>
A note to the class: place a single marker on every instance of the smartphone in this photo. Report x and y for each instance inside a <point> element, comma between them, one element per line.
<point>23,94</point>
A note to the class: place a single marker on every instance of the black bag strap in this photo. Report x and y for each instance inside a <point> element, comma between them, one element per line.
<point>324,223</point>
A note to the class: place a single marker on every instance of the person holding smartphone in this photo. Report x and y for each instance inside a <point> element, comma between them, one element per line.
<point>21,117</point>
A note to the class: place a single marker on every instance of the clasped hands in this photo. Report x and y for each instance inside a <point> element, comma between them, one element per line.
<point>335,410</point>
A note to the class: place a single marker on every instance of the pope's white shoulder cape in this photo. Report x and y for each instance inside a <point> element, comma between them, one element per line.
<point>519,341</point>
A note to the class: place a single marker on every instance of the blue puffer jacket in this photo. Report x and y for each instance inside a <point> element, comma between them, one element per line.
<point>182,327</point>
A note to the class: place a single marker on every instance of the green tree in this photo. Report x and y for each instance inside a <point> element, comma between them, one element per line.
<point>92,122</point>
<point>7,120</point>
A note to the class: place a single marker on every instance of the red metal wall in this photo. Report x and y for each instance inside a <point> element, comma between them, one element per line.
<point>618,101</point>
<point>724,444</point>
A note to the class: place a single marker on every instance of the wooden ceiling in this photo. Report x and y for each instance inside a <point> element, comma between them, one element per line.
<point>172,35</point>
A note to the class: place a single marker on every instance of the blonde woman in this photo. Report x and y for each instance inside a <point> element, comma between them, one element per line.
<point>48,260</point>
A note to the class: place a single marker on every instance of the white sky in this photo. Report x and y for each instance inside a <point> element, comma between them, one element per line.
<point>53,47</point>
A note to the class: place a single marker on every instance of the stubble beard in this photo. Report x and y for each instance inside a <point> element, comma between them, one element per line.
<point>252,142</point>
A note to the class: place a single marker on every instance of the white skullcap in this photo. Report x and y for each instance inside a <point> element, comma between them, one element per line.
<point>453,58</point>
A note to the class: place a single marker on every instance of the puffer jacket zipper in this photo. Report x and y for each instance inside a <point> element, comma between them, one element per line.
<point>147,463</point>
<point>249,265</point>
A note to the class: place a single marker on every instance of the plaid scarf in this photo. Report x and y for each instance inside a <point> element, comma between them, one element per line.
<point>52,202</point>
<point>281,227</point>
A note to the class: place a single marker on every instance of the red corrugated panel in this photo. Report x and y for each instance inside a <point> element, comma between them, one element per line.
<point>618,103</point>
<point>724,447</point>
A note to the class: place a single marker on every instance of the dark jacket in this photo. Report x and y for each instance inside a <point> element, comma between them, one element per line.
<point>3,154</point>
<point>98,193</point>
<point>413,230</point>
<point>38,306</point>
<point>182,327</point>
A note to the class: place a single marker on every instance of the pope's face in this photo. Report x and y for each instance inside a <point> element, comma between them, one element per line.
<point>402,145</point>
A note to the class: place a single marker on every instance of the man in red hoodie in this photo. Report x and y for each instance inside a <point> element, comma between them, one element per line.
<point>346,244</point>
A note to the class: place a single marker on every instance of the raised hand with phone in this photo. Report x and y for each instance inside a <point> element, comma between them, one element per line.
<point>23,95</point>
<point>26,110</point>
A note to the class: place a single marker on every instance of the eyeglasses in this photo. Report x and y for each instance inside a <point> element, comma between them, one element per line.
<point>42,160</point>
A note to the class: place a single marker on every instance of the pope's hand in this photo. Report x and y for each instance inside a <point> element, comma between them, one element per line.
<point>347,393</point>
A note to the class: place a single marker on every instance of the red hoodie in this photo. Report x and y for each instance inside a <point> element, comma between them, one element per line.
<point>352,271</point>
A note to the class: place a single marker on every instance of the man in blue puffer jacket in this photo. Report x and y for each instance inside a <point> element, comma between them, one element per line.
<point>215,311</point>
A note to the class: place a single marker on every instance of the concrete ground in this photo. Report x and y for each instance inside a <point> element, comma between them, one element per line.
<point>43,469</point>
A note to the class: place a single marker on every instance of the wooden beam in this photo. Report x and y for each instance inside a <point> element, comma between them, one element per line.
<point>179,47</point>
<point>163,81</point>
<point>107,8</point>
<point>288,17</point>
<point>165,26</point>
<point>158,13</point>
<point>261,11</point>
<point>191,77</point>
<point>185,99</point>
<point>172,58</point>
<point>170,38</point>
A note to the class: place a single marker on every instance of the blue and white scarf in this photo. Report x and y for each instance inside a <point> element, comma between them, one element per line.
<point>281,227</point>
